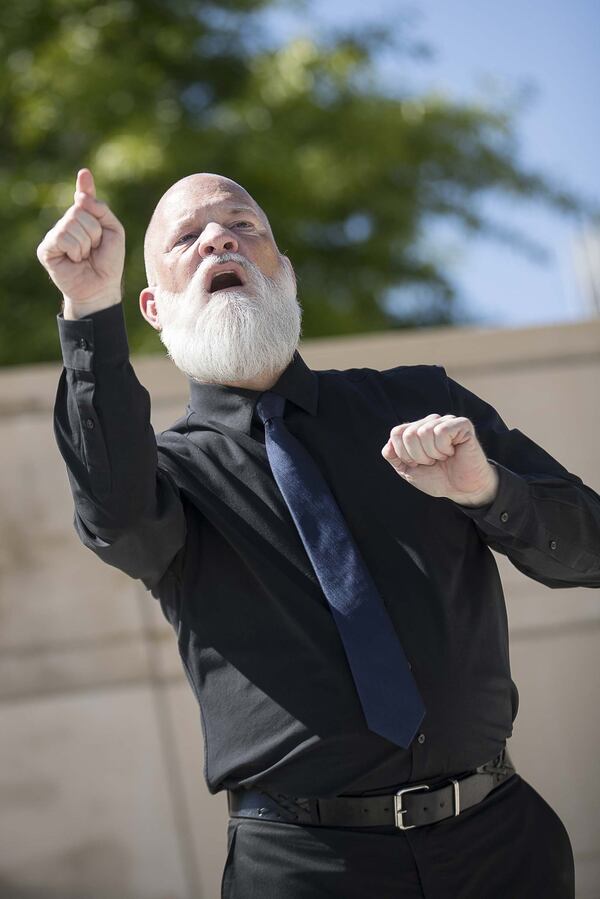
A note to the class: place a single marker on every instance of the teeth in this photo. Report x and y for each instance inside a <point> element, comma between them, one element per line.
<point>228,271</point>
<point>223,279</point>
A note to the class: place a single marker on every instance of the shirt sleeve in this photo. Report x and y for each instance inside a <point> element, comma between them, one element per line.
<point>543,518</point>
<point>127,509</point>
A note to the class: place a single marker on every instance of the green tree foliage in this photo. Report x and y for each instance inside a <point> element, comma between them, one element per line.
<point>145,91</point>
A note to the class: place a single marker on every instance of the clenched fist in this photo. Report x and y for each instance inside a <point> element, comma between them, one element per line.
<point>441,455</point>
<point>84,253</point>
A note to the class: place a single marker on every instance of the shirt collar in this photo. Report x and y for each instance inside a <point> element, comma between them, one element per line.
<point>234,406</point>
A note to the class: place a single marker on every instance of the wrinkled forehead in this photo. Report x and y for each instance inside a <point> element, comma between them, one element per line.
<point>201,194</point>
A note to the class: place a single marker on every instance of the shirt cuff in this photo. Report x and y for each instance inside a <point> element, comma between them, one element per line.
<point>99,338</point>
<point>508,511</point>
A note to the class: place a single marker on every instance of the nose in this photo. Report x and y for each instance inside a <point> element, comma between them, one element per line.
<point>216,240</point>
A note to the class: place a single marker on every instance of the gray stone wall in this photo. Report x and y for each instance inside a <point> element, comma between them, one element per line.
<point>101,752</point>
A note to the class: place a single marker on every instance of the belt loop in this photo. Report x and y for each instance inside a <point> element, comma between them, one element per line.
<point>315,812</point>
<point>456,796</point>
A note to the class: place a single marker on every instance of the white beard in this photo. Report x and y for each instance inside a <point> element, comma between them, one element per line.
<point>235,335</point>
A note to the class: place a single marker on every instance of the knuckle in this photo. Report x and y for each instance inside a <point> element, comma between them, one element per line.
<point>50,243</point>
<point>94,231</point>
<point>62,227</point>
<point>66,236</point>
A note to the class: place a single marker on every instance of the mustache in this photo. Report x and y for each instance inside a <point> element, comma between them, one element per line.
<point>249,267</point>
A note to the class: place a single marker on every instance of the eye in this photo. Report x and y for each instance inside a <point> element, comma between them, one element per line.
<point>242,225</point>
<point>185,238</point>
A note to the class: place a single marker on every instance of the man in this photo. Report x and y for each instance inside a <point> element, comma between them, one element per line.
<point>319,543</point>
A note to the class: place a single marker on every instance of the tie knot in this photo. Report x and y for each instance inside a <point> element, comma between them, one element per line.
<point>270,405</point>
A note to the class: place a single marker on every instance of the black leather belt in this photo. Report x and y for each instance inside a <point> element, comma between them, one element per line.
<point>411,805</point>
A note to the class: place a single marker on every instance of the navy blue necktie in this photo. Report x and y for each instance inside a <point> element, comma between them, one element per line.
<point>386,688</point>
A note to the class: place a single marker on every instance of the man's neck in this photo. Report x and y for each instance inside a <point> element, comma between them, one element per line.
<point>261,382</point>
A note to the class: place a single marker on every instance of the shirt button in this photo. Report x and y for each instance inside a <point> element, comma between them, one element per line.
<point>504,516</point>
<point>83,343</point>
<point>421,738</point>
<point>90,423</point>
<point>553,544</point>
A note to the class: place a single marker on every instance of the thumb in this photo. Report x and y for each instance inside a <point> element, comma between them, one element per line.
<point>85,183</point>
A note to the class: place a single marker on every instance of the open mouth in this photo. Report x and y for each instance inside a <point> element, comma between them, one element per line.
<point>223,280</point>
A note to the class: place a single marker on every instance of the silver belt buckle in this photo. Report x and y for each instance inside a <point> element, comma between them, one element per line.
<point>401,811</point>
<point>398,805</point>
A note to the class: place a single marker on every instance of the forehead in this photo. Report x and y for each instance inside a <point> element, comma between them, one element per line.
<point>201,194</point>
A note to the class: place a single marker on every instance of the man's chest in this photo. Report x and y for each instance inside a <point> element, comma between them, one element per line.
<point>225,475</point>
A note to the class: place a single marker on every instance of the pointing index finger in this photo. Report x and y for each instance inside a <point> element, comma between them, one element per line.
<point>85,183</point>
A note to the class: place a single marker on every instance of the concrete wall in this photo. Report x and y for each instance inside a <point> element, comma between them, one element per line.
<point>101,789</point>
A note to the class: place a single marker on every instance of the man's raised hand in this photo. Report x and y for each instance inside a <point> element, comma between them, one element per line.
<point>84,253</point>
<point>441,455</point>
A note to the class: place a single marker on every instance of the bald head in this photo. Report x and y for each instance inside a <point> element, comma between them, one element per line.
<point>220,293</point>
<point>202,191</point>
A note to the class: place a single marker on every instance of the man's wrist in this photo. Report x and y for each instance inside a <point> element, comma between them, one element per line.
<point>73,311</point>
<point>485,498</point>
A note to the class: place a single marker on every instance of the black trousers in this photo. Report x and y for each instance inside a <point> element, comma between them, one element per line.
<point>512,845</point>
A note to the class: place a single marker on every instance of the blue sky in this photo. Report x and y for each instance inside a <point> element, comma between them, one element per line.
<point>547,44</point>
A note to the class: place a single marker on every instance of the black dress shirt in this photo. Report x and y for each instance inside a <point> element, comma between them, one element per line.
<point>194,512</point>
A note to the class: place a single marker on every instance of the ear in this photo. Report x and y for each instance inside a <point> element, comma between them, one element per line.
<point>148,307</point>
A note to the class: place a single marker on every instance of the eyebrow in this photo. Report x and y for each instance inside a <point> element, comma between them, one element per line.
<point>191,215</point>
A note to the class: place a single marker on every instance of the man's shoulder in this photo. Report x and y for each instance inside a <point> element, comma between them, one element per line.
<point>174,445</point>
<point>408,389</point>
<point>415,373</point>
